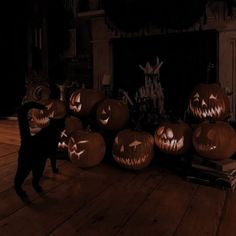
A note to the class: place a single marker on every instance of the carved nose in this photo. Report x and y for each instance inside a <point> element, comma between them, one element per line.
<point>204,103</point>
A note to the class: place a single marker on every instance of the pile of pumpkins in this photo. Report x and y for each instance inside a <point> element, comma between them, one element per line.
<point>211,137</point>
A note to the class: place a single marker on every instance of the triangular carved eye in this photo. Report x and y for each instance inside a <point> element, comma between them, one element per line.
<point>117,140</point>
<point>109,108</point>
<point>198,132</point>
<point>196,97</point>
<point>77,99</point>
<point>160,130</point>
<point>213,97</point>
<point>49,106</point>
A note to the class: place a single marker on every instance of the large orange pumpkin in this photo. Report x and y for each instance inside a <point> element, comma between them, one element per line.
<point>209,101</point>
<point>112,114</point>
<point>83,102</point>
<point>173,138</point>
<point>214,140</point>
<point>133,149</point>
<point>86,149</point>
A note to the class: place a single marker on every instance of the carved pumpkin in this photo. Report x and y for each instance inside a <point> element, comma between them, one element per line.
<point>214,140</point>
<point>55,109</point>
<point>112,114</point>
<point>209,101</point>
<point>83,101</point>
<point>173,138</point>
<point>86,149</point>
<point>133,149</point>
<point>72,124</point>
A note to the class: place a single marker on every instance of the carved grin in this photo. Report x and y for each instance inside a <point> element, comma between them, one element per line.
<point>105,117</point>
<point>213,112</point>
<point>130,161</point>
<point>206,147</point>
<point>170,145</point>
<point>165,140</point>
<point>74,149</point>
<point>41,117</point>
<point>75,152</point>
<point>62,145</point>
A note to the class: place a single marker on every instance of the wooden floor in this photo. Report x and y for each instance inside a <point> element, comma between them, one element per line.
<point>106,201</point>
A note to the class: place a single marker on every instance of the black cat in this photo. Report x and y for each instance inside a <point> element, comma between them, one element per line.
<point>35,149</point>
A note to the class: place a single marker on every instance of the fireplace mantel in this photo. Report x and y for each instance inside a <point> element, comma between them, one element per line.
<point>217,19</point>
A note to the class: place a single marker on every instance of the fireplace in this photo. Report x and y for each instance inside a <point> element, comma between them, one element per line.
<point>185,55</point>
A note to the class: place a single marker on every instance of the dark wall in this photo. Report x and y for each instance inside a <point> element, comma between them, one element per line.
<point>13,56</point>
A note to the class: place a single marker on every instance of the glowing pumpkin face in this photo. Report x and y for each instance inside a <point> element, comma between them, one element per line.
<point>214,140</point>
<point>55,110</point>
<point>173,138</point>
<point>209,101</point>
<point>133,149</point>
<point>72,124</point>
<point>83,102</point>
<point>86,149</point>
<point>112,114</point>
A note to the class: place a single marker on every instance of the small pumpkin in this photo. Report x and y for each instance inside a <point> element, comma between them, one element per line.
<point>55,110</point>
<point>214,140</point>
<point>209,101</point>
<point>133,149</point>
<point>112,114</point>
<point>173,138</point>
<point>71,125</point>
<point>86,149</point>
<point>83,101</point>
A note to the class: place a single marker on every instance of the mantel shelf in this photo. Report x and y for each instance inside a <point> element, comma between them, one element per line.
<point>90,14</point>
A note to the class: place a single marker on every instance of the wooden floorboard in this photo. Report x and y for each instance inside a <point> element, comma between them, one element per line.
<point>107,200</point>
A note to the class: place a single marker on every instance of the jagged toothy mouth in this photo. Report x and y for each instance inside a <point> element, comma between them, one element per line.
<point>62,145</point>
<point>206,147</point>
<point>78,154</point>
<point>207,112</point>
<point>131,161</point>
<point>43,120</point>
<point>170,144</point>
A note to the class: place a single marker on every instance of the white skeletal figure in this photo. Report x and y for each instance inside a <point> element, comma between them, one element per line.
<point>152,88</point>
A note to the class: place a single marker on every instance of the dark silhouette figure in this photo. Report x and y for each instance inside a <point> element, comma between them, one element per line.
<point>35,149</point>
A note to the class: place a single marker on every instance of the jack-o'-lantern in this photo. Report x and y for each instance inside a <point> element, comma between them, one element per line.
<point>55,110</point>
<point>86,149</point>
<point>214,140</point>
<point>209,101</point>
<point>83,101</point>
<point>112,114</point>
<point>173,138</point>
<point>133,149</point>
<point>72,124</point>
